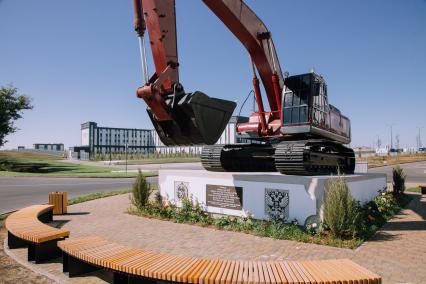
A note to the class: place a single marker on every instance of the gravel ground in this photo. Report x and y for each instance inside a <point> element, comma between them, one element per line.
<point>11,271</point>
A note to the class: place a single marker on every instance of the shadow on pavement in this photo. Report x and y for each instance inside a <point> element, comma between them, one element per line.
<point>77,213</point>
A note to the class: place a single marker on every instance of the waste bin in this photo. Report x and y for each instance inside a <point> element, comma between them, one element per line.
<point>60,201</point>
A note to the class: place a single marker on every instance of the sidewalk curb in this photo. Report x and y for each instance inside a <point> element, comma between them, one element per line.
<point>30,266</point>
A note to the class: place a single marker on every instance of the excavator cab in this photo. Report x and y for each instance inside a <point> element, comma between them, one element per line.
<point>197,119</point>
<point>306,110</point>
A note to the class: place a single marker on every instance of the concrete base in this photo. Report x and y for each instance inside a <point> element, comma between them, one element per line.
<point>262,195</point>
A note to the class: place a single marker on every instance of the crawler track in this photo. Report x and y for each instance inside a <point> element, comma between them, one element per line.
<point>301,157</point>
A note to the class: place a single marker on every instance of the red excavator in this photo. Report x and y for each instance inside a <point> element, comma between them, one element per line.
<point>301,134</point>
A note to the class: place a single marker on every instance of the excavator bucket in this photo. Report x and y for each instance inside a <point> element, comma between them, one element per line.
<point>197,119</point>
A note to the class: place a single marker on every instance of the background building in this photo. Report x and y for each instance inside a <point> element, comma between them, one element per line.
<point>115,140</point>
<point>49,147</point>
<point>108,140</point>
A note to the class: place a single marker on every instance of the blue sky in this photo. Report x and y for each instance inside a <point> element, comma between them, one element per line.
<point>79,61</point>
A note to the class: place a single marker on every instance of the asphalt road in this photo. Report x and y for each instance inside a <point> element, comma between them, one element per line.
<point>18,192</point>
<point>416,172</point>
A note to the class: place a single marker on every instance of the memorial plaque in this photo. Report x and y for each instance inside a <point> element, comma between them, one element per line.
<point>228,197</point>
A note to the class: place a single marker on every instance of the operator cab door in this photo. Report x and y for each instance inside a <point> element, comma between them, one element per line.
<point>296,100</point>
<point>320,107</point>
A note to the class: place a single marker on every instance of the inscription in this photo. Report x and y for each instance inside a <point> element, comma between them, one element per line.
<point>228,197</point>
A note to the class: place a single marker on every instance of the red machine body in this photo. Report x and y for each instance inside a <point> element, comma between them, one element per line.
<point>298,105</point>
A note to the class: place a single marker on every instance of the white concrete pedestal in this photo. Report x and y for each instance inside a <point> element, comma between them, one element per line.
<point>261,194</point>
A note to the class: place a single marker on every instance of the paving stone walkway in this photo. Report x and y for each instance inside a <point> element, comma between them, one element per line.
<point>397,252</point>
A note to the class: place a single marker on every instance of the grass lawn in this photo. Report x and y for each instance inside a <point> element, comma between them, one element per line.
<point>161,160</point>
<point>93,196</point>
<point>414,189</point>
<point>37,164</point>
<point>374,162</point>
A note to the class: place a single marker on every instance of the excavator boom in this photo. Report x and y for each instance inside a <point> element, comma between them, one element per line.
<point>172,111</point>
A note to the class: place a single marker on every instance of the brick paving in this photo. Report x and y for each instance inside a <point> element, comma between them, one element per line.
<point>397,252</point>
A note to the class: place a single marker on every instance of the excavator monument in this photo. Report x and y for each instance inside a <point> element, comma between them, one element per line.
<point>296,144</point>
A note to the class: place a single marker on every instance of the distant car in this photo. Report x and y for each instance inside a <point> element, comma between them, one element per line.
<point>422,149</point>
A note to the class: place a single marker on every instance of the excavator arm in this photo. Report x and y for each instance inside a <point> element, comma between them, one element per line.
<point>249,29</point>
<point>181,118</point>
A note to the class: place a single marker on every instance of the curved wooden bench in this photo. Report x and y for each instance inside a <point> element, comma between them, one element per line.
<point>25,229</point>
<point>132,265</point>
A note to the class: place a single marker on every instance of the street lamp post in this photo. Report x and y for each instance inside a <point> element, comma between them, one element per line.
<point>391,136</point>
<point>419,141</point>
<point>126,146</point>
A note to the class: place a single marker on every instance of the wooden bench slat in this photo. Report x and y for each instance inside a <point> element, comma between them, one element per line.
<point>327,274</point>
<point>164,270</point>
<point>211,275</point>
<point>154,268</point>
<point>222,272</point>
<point>139,268</point>
<point>182,276</point>
<point>270,272</point>
<point>320,272</point>
<point>24,224</point>
<point>265,273</point>
<point>279,273</point>
<point>178,276</point>
<point>125,265</point>
<point>307,277</point>
<point>114,264</point>
<point>234,272</point>
<point>297,273</point>
<point>313,271</point>
<point>362,278</point>
<point>291,278</point>
<point>108,260</point>
<point>205,271</point>
<point>339,271</point>
<point>171,273</point>
<point>97,251</point>
<point>367,272</point>
<point>196,271</point>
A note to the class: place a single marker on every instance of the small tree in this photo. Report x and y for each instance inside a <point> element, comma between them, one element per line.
<point>11,106</point>
<point>141,191</point>
<point>398,180</point>
<point>340,208</point>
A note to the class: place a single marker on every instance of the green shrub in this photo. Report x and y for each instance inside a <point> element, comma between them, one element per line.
<point>387,204</point>
<point>141,191</point>
<point>340,209</point>
<point>398,180</point>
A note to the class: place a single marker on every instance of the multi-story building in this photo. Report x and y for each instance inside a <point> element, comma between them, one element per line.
<point>115,140</point>
<point>97,139</point>
<point>49,146</point>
